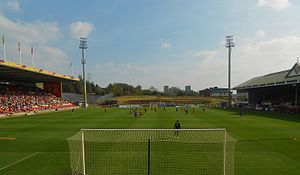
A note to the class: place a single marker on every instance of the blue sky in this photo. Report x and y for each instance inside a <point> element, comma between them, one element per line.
<point>155,42</point>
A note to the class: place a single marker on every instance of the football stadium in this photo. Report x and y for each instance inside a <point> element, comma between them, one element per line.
<point>103,115</point>
<point>42,134</point>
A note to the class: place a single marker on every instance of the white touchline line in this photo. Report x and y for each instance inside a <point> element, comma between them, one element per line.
<point>18,161</point>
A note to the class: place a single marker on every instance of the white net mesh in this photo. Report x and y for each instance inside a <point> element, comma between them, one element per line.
<point>152,151</point>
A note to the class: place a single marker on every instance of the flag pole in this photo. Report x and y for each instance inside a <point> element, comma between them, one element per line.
<point>32,55</point>
<point>72,71</point>
<point>20,55</point>
<point>71,68</point>
<point>4,50</point>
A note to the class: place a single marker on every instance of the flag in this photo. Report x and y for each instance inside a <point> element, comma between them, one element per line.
<point>19,46</point>
<point>70,65</point>
<point>31,50</point>
<point>3,42</point>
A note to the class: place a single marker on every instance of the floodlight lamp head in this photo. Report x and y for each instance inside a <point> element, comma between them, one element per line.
<point>229,41</point>
<point>83,43</point>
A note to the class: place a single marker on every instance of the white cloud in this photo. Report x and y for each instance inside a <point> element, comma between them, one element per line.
<point>250,58</point>
<point>38,33</point>
<point>165,45</point>
<point>13,5</point>
<point>275,4</point>
<point>41,32</point>
<point>79,29</point>
<point>206,54</point>
<point>55,56</point>
<point>257,58</point>
<point>260,34</point>
<point>145,75</point>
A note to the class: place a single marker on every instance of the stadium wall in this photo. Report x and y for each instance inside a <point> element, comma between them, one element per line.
<point>54,88</point>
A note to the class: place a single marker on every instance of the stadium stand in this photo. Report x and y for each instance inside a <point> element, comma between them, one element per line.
<point>277,91</point>
<point>24,89</point>
<point>16,99</point>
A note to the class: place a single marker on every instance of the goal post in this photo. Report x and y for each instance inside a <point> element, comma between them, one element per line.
<point>152,151</point>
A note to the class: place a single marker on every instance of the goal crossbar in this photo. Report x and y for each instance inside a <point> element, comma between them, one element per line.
<point>209,129</point>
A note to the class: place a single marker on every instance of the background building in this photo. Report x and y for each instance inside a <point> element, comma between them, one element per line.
<point>214,91</point>
<point>188,88</point>
<point>166,89</point>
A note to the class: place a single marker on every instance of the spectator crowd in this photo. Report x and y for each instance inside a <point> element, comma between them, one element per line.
<point>16,99</point>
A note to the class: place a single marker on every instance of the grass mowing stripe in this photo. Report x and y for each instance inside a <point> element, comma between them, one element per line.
<point>7,166</point>
<point>7,138</point>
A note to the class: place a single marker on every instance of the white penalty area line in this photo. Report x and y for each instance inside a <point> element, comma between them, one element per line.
<point>7,166</point>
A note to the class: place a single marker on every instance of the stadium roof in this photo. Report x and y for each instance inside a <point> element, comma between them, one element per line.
<point>10,71</point>
<point>291,76</point>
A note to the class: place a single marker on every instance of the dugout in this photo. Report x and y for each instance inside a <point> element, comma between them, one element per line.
<point>17,74</point>
<point>278,90</point>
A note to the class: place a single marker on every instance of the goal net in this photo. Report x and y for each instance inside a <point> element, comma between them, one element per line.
<point>152,151</point>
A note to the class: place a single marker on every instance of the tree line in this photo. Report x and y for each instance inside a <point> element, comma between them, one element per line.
<point>120,89</point>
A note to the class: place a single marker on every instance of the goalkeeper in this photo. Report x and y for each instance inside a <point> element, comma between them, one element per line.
<point>177,126</point>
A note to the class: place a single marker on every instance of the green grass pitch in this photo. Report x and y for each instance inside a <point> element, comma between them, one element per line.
<point>269,144</point>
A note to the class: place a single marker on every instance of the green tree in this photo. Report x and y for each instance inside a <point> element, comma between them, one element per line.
<point>117,90</point>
